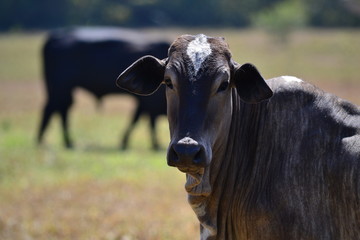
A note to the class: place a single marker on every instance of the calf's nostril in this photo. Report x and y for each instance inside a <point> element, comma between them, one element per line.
<point>199,157</point>
<point>172,157</point>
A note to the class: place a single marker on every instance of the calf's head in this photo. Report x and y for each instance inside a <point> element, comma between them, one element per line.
<point>200,75</point>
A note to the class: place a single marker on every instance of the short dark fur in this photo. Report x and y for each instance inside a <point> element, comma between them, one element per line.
<point>287,172</point>
<point>92,58</point>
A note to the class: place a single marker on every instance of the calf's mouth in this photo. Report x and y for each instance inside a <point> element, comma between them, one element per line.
<point>191,157</point>
<point>197,181</point>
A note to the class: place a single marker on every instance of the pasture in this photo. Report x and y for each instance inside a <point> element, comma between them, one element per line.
<point>98,192</point>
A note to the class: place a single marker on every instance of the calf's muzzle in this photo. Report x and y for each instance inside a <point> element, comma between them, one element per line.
<point>187,154</point>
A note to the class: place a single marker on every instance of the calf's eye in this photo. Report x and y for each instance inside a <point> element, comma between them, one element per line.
<point>223,86</point>
<point>168,83</point>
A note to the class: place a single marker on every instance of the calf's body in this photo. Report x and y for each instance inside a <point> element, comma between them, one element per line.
<point>289,170</point>
<point>275,159</point>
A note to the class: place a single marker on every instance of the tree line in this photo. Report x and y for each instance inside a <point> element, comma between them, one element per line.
<point>45,14</point>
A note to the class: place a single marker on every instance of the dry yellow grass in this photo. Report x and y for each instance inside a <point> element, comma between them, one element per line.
<point>95,209</point>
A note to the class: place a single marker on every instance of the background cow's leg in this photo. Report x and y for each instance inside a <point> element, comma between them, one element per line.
<point>155,143</point>
<point>47,113</point>
<point>125,140</point>
<point>64,122</point>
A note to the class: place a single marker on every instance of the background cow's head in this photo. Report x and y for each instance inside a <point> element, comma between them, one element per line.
<point>200,75</point>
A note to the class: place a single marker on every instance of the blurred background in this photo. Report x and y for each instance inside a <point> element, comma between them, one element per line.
<point>97,191</point>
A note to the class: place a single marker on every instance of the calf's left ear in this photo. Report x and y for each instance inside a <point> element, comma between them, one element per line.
<point>143,77</point>
<point>250,85</point>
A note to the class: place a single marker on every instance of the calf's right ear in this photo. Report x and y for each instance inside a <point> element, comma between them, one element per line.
<point>250,85</point>
<point>143,77</point>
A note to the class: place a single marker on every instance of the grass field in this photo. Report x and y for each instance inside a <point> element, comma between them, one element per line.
<point>98,192</point>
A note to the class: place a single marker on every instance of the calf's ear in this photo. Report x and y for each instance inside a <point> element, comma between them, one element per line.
<point>143,77</point>
<point>250,85</point>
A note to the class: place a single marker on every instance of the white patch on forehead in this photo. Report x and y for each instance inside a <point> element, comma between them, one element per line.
<point>198,50</point>
<point>292,79</point>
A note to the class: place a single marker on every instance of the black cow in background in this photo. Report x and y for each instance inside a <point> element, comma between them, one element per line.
<point>92,58</point>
